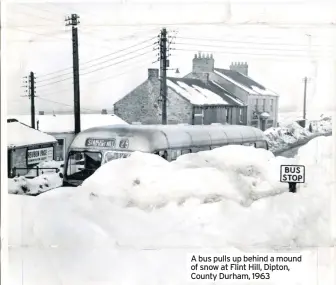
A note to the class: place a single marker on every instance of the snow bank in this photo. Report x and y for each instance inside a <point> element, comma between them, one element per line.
<point>145,215</point>
<point>47,180</point>
<point>291,133</point>
<point>150,181</point>
<point>322,126</point>
<point>23,186</point>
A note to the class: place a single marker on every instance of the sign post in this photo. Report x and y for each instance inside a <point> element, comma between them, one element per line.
<point>292,174</point>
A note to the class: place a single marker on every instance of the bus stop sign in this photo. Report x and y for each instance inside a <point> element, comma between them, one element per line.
<point>292,174</point>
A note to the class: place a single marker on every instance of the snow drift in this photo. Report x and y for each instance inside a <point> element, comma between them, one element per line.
<point>47,180</point>
<point>290,133</point>
<point>145,215</point>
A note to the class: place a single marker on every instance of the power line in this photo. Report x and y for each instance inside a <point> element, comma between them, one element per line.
<point>134,67</point>
<point>116,63</point>
<point>39,34</point>
<point>243,48</point>
<point>69,105</point>
<point>107,66</point>
<point>245,42</point>
<point>98,63</point>
<point>121,50</point>
<point>240,53</point>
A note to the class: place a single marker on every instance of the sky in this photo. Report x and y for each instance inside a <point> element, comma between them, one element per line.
<point>282,41</point>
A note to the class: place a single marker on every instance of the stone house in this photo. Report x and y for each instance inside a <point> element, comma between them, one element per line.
<point>189,101</point>
<point>262,103</point>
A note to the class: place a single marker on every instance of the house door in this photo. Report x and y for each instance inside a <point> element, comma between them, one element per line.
<point>263,125</point>
<point>9,164</point>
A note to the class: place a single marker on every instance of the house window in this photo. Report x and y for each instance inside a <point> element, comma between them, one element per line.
<point>264,105</point>
<point>227,115</point>
<point>271,105</point>
<point>60,149</point>
<point>256,105</point>
<point>240,115</point>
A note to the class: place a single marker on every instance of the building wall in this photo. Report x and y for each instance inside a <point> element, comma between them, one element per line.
<point>61,151</point>
<point>19,159</point>
<point>143,105</point>
<point>256,104</point>
<point>226,114</point>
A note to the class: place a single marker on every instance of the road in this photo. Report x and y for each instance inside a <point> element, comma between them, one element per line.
<point>290,153</point>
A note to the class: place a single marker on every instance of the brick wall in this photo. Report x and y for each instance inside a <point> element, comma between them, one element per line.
<point>142,105</point>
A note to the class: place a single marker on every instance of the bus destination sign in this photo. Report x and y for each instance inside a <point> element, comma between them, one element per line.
<point>100,142</point>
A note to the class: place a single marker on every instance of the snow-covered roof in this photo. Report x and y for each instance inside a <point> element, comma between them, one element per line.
<point>196,94</point>
<point>65,123</point>
<point>235,99</point>
<point>21,135</point>
<point>244,82</point>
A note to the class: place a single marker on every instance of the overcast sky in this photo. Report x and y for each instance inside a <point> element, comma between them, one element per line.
<point>282,41</point>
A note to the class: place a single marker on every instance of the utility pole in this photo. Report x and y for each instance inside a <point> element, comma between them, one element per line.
<point>73,21</point>
<point>305,81</point>
<point>32,98</point>
<point>163,72</point>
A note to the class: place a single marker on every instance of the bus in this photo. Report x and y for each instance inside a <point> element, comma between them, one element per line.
<point>96,146</point>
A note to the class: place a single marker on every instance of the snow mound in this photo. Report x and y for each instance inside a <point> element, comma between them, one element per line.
<point>285,135</point>
<point>323,125</point>
<point>236,173</point>
<point>144,215</point>
<point>48,179</point>
<point>23,186</point>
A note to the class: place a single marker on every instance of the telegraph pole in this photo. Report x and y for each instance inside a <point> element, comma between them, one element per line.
<point>163,71</point>
<point>32,98</point>
<point>305,81</point>
<point>73,21</point>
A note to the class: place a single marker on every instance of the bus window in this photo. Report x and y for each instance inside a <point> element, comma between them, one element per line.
<point>82,164</point>
<point>249,144</point>
<point>112,155</point>
<point>175,154</point>
<point>165,155</point>
<point>185,151</point>
<point>261,144</point>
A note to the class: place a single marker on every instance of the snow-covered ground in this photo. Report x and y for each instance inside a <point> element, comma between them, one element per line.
<point>136,220</point>
<point>47,180</point>
<point>290,133</point>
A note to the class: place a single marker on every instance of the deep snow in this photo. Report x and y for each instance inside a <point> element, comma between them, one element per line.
<point>137,219</point>
<point>47,180</point>
<point>290,133</point>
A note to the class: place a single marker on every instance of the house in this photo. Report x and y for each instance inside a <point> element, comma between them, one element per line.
<point>189,101</point>
<point>62,127</point>
<point>262,103</point>
<point>27,147</point>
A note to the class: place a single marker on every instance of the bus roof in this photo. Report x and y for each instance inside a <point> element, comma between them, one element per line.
<point>149,138</point>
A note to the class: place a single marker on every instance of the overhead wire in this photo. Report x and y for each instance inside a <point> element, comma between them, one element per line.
<point>64,104</point>
<point>246,42</point>
<point>101,68</point>
<point>134,67</point>
<point>246,53</point>
<point>98,58</point>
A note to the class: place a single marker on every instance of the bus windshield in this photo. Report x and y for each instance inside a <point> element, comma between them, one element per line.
<point>82,164</point>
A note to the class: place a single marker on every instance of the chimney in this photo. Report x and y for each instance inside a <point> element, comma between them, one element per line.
<point>241,67</point>
<point>153,73</point>
<point>203,63</point>
<point>204,77</point>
